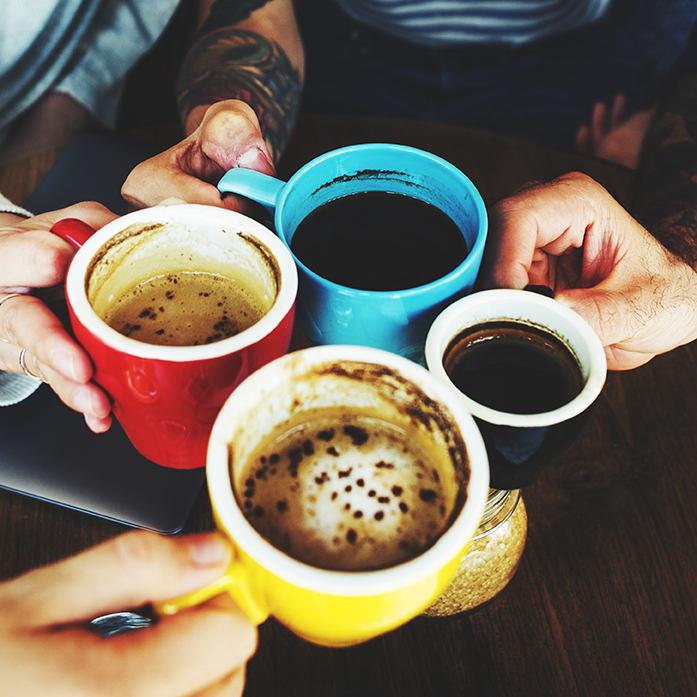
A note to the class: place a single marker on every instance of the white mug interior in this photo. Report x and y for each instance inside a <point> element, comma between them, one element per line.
<point>532,309</point>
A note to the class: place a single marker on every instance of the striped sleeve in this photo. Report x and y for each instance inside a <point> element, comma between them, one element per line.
<point>457,22</point>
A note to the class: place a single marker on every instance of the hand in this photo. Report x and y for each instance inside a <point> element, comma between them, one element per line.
<point>32,258</point>
<point>572,236</point>
<point>228,136</point>
<point>48,650</point>
<point>613,137</point>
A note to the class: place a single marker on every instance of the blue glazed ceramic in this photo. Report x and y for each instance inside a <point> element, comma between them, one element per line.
<point>329,313</point>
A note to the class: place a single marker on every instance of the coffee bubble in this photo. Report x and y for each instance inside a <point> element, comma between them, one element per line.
<point>346,492</point>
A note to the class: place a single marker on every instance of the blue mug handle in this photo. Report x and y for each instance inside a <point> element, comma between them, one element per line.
<point>259,187</point>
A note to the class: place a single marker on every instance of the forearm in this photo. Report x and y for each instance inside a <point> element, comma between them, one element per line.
<point>665,196</point>
<point>249,51</point>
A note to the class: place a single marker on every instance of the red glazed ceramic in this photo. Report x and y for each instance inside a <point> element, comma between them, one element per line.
<point>167,397</point>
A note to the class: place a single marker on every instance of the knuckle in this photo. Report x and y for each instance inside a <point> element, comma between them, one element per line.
<point>136,552</point>
<point>48,256</point>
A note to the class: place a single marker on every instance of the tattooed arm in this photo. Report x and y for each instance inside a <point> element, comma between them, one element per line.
<point>239,94</point>
<point>248,50</point>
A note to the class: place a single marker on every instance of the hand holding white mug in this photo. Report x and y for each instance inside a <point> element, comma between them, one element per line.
<point>571,235</point>
<point>32,258</point>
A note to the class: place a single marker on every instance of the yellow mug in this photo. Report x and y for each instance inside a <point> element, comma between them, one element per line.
<point>326,606</point>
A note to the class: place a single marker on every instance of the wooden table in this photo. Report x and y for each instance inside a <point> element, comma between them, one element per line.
<point>604,601</point>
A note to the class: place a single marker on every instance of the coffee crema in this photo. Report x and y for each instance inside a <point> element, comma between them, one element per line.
<point>379,241</point>
<point>513,367</point>
<point>186,308</point>
<point>342,491</point>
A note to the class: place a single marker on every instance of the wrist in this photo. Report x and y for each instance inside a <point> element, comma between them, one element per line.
<point>10,219</point>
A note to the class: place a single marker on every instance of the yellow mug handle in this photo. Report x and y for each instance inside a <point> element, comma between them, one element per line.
<point>235,581</point>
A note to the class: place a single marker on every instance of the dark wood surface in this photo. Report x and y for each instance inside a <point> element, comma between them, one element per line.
<point>604,601</point>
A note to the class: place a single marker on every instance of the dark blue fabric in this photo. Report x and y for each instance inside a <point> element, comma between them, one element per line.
<point>543,91</point>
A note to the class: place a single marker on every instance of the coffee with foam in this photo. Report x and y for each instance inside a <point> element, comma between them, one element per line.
<point>341,490</point>
<point>159,283</point>
<point>184,309</point>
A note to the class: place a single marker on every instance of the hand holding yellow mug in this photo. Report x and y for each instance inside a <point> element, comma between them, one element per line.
<point>350,481</point>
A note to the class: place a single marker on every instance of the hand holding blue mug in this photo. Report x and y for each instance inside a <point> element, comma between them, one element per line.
<point>374,281</point>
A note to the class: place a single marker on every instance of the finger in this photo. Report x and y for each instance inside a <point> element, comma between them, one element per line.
<point>583,140</point>
<point>230,136</point>
<point>170,183</point>
<point>88,399</point>
<point>26,322</point>
<point>230,686</point>
<point>618,111</point>
<point>604,311</point>
<point>128,571</point>
<point>94,214</point>
<point>97,424</point>
<point>33,258</point>
<point>622,359</point>
<point>197,651</point>
<point>599,125</point>
<point>550,217</point>
<point>613,318</point>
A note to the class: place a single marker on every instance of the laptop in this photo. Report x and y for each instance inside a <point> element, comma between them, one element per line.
<point>46,450</point>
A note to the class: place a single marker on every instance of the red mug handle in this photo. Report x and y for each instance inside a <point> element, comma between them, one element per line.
<point>74,231</point>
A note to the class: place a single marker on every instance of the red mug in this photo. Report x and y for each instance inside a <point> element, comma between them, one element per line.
<point>166,397</point>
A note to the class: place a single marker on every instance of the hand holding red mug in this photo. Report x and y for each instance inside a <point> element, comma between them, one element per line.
<point>154,297</point>
<point>34,262</point>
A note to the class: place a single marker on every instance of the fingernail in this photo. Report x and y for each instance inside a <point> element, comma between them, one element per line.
<point>209,550</point>
<point>254,158</point>
<point>82,401</point>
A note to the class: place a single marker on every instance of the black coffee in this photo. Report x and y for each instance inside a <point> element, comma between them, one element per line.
<point>379,241</point>
<point>513,368</point>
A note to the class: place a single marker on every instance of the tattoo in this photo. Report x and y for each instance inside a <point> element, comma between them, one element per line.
<point>237,64</point>
<point>665,196</point>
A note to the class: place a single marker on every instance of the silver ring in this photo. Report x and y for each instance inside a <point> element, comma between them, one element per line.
<point>10,295</point>
<point>2,300</point>
<point>23,366</point>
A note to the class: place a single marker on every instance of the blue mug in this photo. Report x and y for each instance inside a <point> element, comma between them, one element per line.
<point>330,313</point>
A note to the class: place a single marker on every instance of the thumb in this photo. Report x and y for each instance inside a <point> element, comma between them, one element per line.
<point>231,137</point>
<point>128,571</point>
<point>606,312</point>
<point>603,310</point>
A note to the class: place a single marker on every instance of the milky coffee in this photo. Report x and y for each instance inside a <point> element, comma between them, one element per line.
<point>184,309</point>
<point>343,490</point>
<point>162,284</point>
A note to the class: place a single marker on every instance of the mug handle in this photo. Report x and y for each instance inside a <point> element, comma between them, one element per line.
<point>74,231</point>
<point>541,290</point>
<point>259,187</point>
<point>235,581</point>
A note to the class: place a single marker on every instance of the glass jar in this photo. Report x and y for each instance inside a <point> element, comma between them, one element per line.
<point>491,558</point>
